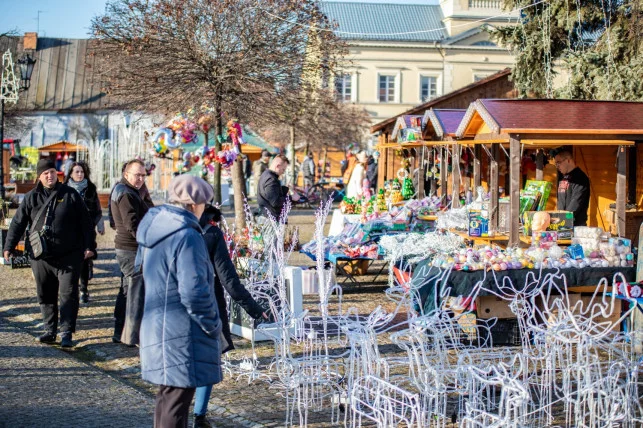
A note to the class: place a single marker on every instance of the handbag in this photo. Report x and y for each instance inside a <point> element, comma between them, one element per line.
<point>37,238</point>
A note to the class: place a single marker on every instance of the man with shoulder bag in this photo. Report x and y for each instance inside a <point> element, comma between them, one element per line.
<point>59,238</point>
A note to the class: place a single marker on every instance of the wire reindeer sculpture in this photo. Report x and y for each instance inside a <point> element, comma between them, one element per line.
<point>571,368</point>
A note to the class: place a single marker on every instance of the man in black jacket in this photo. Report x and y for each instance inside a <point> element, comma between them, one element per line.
<point>573,187</point>
<point>68,231</point>
<point>128,209</point>
<point>271,195</point>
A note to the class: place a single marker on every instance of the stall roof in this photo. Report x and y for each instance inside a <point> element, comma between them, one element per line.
<point>62,146</point>
<point>569,117</point>
<point>405,121</point>
<point>443,122</point>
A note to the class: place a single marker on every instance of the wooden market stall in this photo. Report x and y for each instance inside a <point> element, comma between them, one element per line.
<point>495,86</point>
<point>602,134</point>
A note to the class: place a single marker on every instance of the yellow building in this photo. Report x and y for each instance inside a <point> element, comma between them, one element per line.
<point>402,55</point>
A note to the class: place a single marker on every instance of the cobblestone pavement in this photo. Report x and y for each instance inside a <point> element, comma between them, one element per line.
<point>43,386</point>
<point>106,371</point>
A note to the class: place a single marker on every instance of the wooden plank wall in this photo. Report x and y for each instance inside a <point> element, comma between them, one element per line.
<point>63,75</point>
<point>599,163</point>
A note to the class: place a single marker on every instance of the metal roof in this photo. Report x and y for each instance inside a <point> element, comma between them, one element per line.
<point>529,116</point>
<point>62,75</point>
<point>386,22</point>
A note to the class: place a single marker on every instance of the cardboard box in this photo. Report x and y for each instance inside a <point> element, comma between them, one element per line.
<point>561,222</point>
<point>493,307</point>
<point>586,301</point>
<point>354,267</point>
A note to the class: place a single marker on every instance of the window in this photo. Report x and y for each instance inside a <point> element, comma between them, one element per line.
<point>387,89</point>
<point>344,87</point>
<point>479,77</point>
<point>428,88</point>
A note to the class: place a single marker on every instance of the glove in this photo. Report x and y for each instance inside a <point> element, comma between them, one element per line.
<point>100,227</point>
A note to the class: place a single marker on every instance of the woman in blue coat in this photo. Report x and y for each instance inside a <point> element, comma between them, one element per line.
<point>179,339</point>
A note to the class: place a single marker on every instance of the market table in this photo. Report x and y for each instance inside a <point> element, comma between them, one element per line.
<point>349,265</point>
<point>424,278</point>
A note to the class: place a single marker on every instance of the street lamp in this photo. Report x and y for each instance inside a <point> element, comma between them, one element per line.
<point>9,92</point>
<point>26,65</point>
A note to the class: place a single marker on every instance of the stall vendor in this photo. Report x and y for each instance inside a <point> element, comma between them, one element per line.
<point>573,187</point>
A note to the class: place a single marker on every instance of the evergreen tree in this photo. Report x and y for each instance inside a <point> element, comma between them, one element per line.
<point>594,45</point>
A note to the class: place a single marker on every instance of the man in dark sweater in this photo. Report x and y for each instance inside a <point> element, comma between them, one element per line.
<point>573,187</point>
<point>127,209</point>
<point>67,228</point>
<point>271,195</point>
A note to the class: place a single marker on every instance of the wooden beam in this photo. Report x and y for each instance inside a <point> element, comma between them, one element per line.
<point>575,142</point>
<point>443,174</point>
<point>621,190</point>
<point>632,162</point>
<point>455,175</point>
<point>434,183</point>
<point>381,163</point>
<point>477,179</point>
<point>493,188</point>
<point>421,174</point>
<point>540,165</point>
<point>514,190</point>
<point>563,138</point>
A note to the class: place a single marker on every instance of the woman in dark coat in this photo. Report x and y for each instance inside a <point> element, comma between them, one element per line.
<point>78,179</point>
<point>225,278</point>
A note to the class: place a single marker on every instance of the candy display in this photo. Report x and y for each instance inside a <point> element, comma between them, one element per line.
<point>612,253</point>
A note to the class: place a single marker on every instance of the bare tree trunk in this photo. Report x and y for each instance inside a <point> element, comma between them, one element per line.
<point>216,181</point>
<point>324,160</point>
<point>292,158</point>
<point>239,186</point>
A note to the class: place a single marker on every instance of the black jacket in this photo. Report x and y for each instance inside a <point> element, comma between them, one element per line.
<point>71,227</point>
<point>271,195</point>
<point>371,173</point>
<point>573,195</point>
<point>143,191</point>
<point>90,197</point>
<point>225,276</point>
<point>127,209</point>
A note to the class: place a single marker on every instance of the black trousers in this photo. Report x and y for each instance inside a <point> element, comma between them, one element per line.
<point>58,276</point>
<point>125,261</point>
<point>85,274</point>
<point>172,407</point>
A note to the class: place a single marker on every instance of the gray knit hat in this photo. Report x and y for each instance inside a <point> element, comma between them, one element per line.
<point>188,189</point>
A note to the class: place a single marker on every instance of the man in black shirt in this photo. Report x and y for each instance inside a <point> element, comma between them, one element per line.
<point>271,195</point>
<point>128,209</point>
<point>68,229</point>
<point>573,188</point>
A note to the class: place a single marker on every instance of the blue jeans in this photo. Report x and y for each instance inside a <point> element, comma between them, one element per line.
<point>201,399</point>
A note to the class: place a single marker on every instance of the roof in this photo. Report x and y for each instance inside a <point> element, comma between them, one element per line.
<point>530,116</point>
<point>476,88</point>
<point>386,22</point>
<point>62,146</point>
<point>404,122</point>
<point>62,78</point>
<point>444,121</point>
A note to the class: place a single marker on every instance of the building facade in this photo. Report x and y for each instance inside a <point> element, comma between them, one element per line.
<point>402,55</point>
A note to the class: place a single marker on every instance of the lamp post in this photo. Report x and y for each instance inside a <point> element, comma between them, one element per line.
<point>9,93</point>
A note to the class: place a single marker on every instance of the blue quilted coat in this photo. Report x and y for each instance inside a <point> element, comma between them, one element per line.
<point>179,340</point>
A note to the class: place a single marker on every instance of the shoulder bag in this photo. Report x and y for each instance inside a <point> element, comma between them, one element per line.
<point>37,238</point>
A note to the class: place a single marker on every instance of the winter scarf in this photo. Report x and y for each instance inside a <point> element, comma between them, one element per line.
<point>79,186</point>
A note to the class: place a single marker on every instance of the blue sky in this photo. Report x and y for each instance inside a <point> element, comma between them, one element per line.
<point>71,18</point>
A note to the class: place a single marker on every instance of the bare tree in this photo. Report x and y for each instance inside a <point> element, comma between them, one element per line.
<point>169,55</point>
